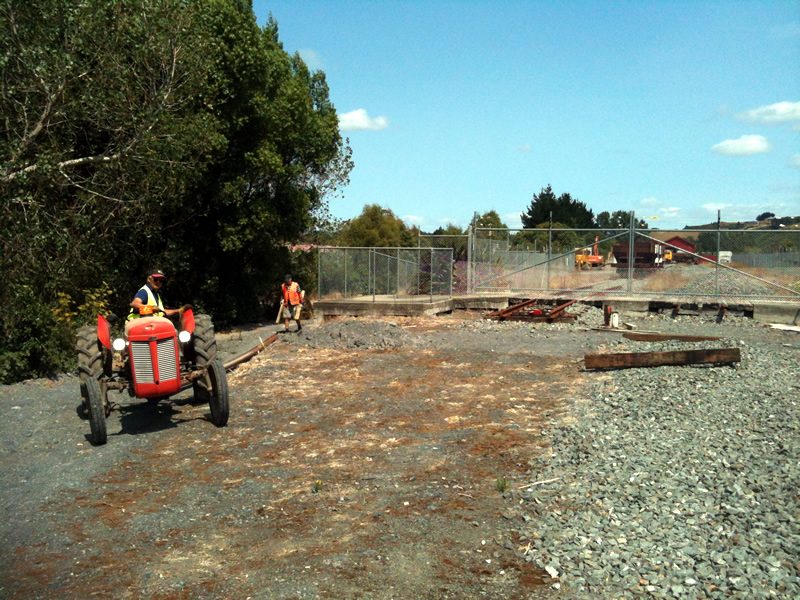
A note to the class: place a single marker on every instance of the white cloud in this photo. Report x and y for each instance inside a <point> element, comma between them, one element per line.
<point>715,206</point>
<point>780,112</point>
<point>649,201</point>
<point>414,220</point>
<point>512,219</point>
<point>524,148</point>
<point>670,211</point>
<point>745,145</point>
<point>794,161</point>
<point>359,120</point>
<point>311,58</point>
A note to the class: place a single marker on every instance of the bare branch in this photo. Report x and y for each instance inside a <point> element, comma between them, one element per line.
<point>74,162</point>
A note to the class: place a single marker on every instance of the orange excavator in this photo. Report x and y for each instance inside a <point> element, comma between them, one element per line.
<point>588,258</point>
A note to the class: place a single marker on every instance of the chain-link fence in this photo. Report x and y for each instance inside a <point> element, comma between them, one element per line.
<point>460,245</point>
<point>719,263</point>
<point>410,274</point>
<point>517,260</point>
<point>730,263</point>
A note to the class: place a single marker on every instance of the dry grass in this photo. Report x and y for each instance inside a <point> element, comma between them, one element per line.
<point>780,276</point>
<point>581,279</point>
<point>662,281</point>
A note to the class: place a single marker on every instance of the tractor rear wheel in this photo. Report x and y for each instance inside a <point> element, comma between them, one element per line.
<point>97,411</point>
<point>218,396</point>
<point>204,347</point>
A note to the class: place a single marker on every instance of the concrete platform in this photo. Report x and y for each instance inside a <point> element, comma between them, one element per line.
<point>384,306</point>
<point>786,312</point>
<point>481,302</point>
<point>771,313</point>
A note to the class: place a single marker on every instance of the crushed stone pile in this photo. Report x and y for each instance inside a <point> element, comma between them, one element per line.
<point>676,482</point>
<point>354,335</point>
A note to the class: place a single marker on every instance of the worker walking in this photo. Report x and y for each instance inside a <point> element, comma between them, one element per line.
<point>291,302</point>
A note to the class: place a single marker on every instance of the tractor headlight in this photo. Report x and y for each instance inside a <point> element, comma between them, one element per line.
<point>184,336</point>
<point>118,344</point>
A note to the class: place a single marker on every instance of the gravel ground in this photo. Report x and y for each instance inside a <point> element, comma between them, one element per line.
<point>667,482</point>
<point>677,481</point>
<point>352,334</point>
<point>705,279</point>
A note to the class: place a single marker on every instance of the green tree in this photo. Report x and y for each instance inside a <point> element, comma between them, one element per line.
<point>448,229</point>
<point>379,227</point>
<point>619,219</point>
<point>169,132</point>
<point>564,208</point>
<point>489,220</point>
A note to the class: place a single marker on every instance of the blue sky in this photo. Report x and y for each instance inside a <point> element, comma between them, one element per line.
<point>671,109</point>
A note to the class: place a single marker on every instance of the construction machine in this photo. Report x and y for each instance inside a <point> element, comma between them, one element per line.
<point>588,258</point>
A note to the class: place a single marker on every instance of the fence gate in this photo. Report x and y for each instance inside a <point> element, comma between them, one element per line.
<point>410,274</point>
<point>719,264</point>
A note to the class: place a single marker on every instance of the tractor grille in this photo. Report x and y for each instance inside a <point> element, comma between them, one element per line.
<point>167,369</point>
<point>142,365</point>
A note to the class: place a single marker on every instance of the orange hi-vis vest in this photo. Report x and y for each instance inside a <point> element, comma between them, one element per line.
<point>291,294</point>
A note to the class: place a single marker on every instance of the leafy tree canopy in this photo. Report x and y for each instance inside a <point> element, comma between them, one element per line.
<point>564,208</point>
<point>489,220</point>
<point>173,133</point>
<point>619,219</point>
<point>764,216</point>
<point>379,227</point>
<point>448,229</point>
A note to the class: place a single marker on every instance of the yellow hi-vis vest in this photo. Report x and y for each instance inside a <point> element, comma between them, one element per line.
<point>152,300</point>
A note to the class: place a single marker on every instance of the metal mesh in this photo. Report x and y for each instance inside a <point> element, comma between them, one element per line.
<point>416,274</point>
<point>722,264</point>
<point>460,244</point>
<point>540,259</point>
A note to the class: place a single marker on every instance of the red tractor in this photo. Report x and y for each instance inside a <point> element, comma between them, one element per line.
<point>153,361</point>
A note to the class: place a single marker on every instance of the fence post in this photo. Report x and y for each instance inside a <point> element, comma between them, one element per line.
<point>716,267</point>
<point>419,272</point>
<point>631,251</point>
<point>397,288</point>
<point>549,247</point>
<point>469,259</point>
<point>345,272</point>
<point>319,273</point>
<point>431,277</point>
<point>452,266</point>
<point>372,274</point>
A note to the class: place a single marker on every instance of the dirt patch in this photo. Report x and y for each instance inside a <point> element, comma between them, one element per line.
<point>344,472</point>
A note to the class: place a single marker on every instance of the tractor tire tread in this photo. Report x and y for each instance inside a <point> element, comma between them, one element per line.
<point>90,354</point>
<point>205,352</point>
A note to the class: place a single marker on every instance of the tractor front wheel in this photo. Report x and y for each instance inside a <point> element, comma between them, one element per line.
<point>204,352</point>
<point>218,392</point>
<point>93,362</point>
<point>97,411</point>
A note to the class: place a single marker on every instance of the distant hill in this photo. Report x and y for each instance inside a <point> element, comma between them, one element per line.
<point>773,223</point>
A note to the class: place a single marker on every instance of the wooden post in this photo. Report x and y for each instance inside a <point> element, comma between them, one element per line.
<point>647,336</point>
<point>627,360</point>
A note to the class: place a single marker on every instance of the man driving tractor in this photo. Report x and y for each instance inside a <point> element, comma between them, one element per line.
<point>147,301</point>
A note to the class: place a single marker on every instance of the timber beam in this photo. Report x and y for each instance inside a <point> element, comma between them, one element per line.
<point>628,360</point>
